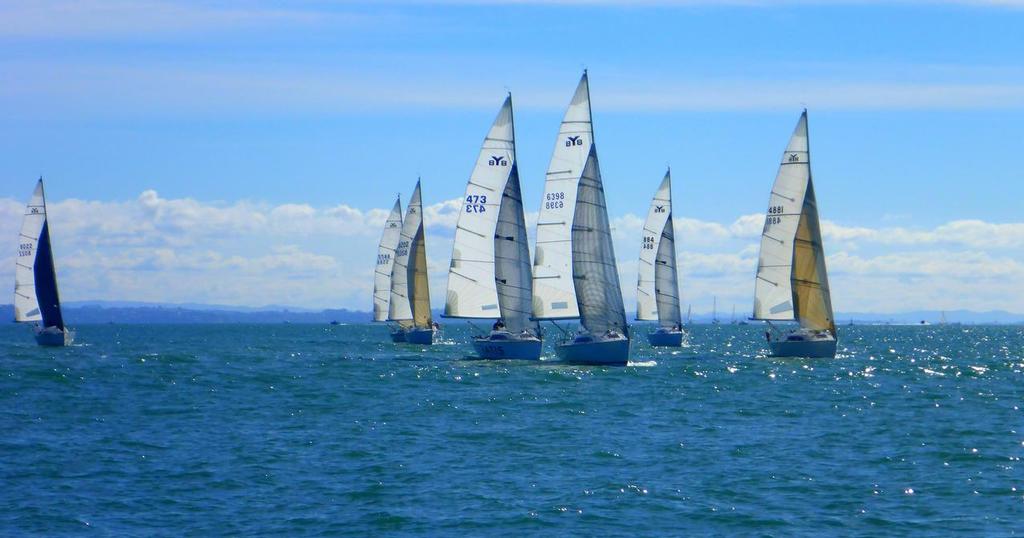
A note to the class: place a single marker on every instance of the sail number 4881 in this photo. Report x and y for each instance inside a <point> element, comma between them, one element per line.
<point>24,249</point>
<point>554,200</point>
<point>774,215</point>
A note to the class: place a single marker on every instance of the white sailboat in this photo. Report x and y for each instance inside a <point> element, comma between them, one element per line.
<point>490,275</point>
<point>409,305</point>
<point>36,298</point>
<point>574,267</point>
<point>657,289</point>
<point>385,262</point>
<point>792,282</point>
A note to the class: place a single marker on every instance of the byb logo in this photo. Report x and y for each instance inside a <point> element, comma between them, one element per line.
<point>574,141</point>
<point>794,157</point>
<point>498,160</point>
<point>659,209</point>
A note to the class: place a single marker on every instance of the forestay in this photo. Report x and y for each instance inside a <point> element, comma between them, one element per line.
<point>385,262</point>
<point>35,281</point>
<point>554,293</point>
<point>658,281</point>
<point>593,256</point>
<point>792,282</point>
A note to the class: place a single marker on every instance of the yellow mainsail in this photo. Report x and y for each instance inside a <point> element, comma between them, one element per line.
<point>811,299</point>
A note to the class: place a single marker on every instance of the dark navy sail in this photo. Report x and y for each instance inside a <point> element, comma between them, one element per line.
<point>46,282</point>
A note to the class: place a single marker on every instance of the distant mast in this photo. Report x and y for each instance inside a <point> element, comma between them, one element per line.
<point>385,262</point>
<point>658,279</point>
<point>792,281</point>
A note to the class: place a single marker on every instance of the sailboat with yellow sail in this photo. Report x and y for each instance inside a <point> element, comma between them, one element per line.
<point>792,281</point>
<point>410,296</point>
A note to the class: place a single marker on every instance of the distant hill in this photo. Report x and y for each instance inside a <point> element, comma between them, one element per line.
<point>93,312</point>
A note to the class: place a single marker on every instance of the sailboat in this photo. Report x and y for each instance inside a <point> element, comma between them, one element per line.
<point>792,282</point>
<point>574,273</point>
<point>489,276</point>
<point>657,289</point>
<point>714,310</point>
<point>385,263</point>
<point>35,278</point>
<point>409,306</point>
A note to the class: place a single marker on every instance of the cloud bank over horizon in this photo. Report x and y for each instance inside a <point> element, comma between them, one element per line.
<point>251,253</point>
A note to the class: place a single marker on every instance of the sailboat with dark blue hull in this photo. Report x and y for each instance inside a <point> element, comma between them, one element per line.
<point>36,299</point>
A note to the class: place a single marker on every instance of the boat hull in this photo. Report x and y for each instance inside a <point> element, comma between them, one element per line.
<point>612,352</point>
<point>54,337</point>
<point>814,349</point>
<point>665,338</point>
<point>398,336</point>
<point>507,347</point>
<point>422,337</point>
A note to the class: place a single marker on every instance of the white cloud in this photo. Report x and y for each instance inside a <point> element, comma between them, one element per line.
<point>253,253</point>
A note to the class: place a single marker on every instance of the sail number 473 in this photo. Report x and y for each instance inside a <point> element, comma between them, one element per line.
<point>475,203</point>
<point>554,200</point>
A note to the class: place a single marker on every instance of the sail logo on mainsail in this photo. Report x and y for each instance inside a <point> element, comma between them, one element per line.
<point>794,157</point>
<point>574,141</point>
<point>498,160</point>
<point>659,209</point>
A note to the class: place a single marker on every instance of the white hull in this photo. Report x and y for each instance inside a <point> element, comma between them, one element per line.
<point>824,348</point>
<point>665,338</point>
<point>503,345</point>
<point>585,349</point>
<point>54,337</point>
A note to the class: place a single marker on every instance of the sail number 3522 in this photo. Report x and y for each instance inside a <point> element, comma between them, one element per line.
<point>554,200</point>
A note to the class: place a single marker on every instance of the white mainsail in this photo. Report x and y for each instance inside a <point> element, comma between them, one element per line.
<point>385,262</point>
<point>554,292</point>
<point>410,296</point>
<point>792,282</point>
<point>489,275</point>
<point>657,292</point>
<point>35,277</point>
<point>26,304</point>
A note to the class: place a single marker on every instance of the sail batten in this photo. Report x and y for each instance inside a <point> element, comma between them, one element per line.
<point>792,281</point>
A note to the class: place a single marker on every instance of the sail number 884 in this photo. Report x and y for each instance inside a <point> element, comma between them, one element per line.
<point>554,200</point>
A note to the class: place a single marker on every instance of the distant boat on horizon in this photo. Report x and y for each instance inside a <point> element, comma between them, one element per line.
<point>792,281</point>
<point>36,298</point>
<point>657,288</point>
<point>574,274</point>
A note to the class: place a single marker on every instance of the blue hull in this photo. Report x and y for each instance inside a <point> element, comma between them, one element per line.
<point>598,353</point>
<point>525,349</point>
<point>54,338</point>
<point>665,338</point>
<point>814,349</point>
<point>398,336</point>
<point>422,337</point>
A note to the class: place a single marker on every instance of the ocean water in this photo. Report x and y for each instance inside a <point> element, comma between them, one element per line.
<point>306,430</point>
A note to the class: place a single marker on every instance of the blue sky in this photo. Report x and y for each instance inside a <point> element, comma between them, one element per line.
<point>244,108</point>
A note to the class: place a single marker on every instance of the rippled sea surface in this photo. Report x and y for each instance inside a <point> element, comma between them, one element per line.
<point>332,430</point>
